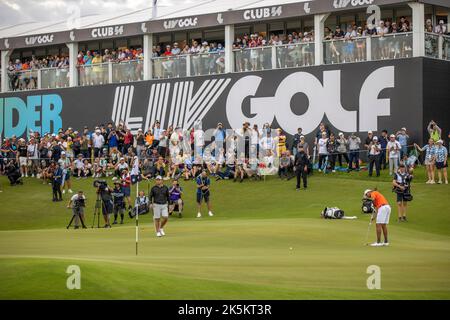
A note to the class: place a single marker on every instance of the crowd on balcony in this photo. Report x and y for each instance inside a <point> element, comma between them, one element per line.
<point>93,65</point>
<point>22,74</point>
<point>205,58</point>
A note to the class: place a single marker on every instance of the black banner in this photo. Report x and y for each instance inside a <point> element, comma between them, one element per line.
<point>355,97</point>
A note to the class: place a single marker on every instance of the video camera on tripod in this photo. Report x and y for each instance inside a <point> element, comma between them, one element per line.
<point>100,184</point>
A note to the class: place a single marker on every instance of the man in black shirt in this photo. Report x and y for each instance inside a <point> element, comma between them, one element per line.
<point>159,201</point>
<point>107,203</point>
<point>301,162</point>
<point>22,157</point>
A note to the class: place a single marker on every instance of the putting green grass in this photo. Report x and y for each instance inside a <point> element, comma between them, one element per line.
<point>266,241</point>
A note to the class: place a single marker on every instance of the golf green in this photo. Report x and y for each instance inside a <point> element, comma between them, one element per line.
<point>266,241</point>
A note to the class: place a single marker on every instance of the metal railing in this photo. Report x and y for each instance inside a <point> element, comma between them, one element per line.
<point>23,80</point>
<point>207,63</point>
<point>127,71</point>
<point>345,50</point>
<point>445,47</point>
<point>169,67</point>
<point>392,46</point>
<point>294,55</point>
<point>54,78</point>
<point>253,59</point>
<point>93,74</point>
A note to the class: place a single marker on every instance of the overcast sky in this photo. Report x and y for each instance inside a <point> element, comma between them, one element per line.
<point>19,11</point>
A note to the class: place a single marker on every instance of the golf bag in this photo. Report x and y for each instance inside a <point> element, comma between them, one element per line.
<point>367,206</point>
<point>332,213</point>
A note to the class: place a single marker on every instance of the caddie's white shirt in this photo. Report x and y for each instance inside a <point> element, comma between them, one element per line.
<point>75,197</point>
<point>395,153</point>
<point>32,150</point>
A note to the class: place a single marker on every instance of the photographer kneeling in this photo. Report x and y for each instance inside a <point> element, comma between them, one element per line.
<point>77,203</point>
<point>401,186</point>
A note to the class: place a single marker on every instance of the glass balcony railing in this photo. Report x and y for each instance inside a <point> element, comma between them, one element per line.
<point>345,50</point>
<point>169,67</point>
<point>23,80</point>
<point>93,74</point>
<point>432,45</point>
<point>127,71</point>
<point>253,59</point>
<point>446,47</point>
<point>207,63</point>
<point>392,46</point>
<point>54,78</point>
<point>295,55</point>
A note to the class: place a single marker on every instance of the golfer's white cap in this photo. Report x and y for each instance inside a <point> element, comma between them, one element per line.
<point>158,178</point>
<point>366,192</point>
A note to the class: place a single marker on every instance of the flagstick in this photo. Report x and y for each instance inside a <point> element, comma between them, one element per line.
<point>137,218</point>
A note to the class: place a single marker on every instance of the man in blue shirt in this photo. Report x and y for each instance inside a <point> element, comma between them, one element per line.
<point>56,182</point>
<point>203,184</point>
<point>402,138</point>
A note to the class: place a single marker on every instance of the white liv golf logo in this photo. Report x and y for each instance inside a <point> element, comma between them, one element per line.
<point>176,104</point>
<point>340,4</point>
<point>180,23</point>
<point>324,99</point>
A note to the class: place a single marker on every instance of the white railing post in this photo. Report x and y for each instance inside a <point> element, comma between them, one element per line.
<point>319,22</point>
<point>4,65</point>
<point>73,71</point>
<point>418,16</point>
<point>440,46</point>
<point>274,57</point>
<point>229,55</point>
<point>369,48</point>
<point>188,65</point>
<point>110,72</point>
<point>148,50</point>
<point>39,79</point>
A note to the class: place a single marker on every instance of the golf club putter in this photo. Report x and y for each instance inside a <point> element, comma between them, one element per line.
<point>368,229</point>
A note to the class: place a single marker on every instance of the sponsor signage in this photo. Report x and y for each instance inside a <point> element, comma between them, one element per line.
<point>349,98</point>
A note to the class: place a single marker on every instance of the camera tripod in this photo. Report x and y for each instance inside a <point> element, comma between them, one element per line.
<point>97,209</point>
<point>73,217</point>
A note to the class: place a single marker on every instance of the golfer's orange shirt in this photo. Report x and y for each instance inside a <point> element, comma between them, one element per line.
<point>378,199</point>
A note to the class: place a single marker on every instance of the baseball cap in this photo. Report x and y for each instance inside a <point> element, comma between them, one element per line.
<point>62,153</point>
<point>392,136</point>
<point>366,192</point>
<point>370,131</point>
<point>158,178</point>
<point>375,138</point>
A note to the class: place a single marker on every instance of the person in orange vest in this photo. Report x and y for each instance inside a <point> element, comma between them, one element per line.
<point>383,212</point>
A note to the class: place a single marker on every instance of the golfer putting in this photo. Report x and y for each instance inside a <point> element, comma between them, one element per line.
<point>383,213</point>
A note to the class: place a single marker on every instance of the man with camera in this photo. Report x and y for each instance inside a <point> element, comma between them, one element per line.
<point>159,201</point>
<point>77,203</point>
<point>402,188</point>
<point>118,201</point>
<point>106,199</point>
<point>301,163</point>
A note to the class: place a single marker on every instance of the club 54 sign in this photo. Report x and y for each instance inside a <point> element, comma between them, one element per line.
<point>324,100</point>
<point>262,13</point>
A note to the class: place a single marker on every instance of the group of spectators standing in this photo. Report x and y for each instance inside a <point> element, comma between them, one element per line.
<point>205,58</point>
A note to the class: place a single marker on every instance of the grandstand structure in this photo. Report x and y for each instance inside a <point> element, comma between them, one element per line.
<point>181,89</point>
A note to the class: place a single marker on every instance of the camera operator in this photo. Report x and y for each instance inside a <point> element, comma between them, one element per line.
<point>106,199</point>
<point>77,203</point>
<point>118,201</point>
<point>402,188</point>
<point>301,163</point>
<point>13,173</point>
